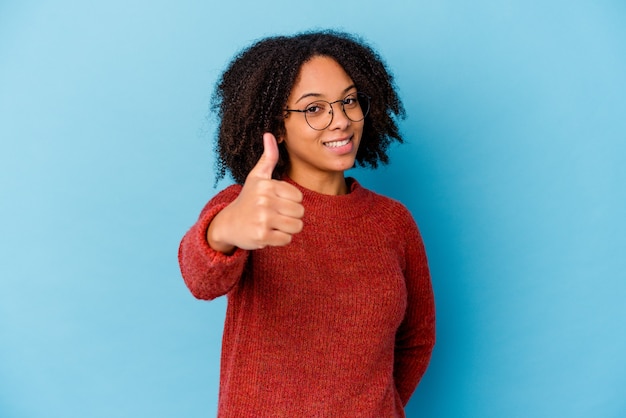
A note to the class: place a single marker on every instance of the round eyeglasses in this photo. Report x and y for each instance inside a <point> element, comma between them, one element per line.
<point>319,114</point>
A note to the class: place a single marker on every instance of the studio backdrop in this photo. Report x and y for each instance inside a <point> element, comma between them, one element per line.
<point>513,166</point>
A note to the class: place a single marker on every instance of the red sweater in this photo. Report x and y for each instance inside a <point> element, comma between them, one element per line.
<point>339,323</point>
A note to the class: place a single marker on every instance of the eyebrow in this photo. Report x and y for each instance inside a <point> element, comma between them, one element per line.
<point>304,96</point>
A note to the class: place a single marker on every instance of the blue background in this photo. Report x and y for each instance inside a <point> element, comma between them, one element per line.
<point>514,168</point>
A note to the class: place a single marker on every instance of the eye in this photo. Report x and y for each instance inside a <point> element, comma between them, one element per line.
<point>350,101</point>
<point>315,109</point>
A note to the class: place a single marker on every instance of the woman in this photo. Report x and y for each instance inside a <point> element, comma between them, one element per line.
<point>330,305</point>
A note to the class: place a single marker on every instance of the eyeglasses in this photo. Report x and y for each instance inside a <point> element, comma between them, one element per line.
<point>319,114</point>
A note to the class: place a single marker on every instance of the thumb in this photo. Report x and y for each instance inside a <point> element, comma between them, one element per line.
<point>265,166</point>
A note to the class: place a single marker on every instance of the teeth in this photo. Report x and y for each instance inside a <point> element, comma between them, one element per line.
<point>336,144</point>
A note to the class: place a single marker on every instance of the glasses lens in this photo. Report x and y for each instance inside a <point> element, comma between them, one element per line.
<point>318,115</point>
<point>352,107</point>
<point>364,107</point>
<point>364,101</point>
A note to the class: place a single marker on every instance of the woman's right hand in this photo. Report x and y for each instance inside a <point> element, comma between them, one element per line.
<point>266,212</point>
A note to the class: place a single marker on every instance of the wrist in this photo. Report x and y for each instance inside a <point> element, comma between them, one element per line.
<point>215,237</point>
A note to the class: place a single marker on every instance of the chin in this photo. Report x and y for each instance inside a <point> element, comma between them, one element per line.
<point>347,166</point>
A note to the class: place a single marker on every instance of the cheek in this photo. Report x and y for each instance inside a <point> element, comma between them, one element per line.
<point>358,130</point>
<point>291,129</point>
<point>299,133</point>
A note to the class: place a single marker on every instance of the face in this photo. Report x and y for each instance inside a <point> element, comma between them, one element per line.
<point>326,154</point>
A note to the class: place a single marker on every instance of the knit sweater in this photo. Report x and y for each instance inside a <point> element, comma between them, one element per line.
<point>339,323</point>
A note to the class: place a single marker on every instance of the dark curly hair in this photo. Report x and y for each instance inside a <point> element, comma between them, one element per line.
<point>252,93</point>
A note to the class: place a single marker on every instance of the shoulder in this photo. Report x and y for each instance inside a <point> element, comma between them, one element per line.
<point>390,215</point>
<point>390,218</point>
<point>386,206</point>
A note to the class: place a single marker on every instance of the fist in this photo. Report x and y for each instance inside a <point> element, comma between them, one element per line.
<point>266,212</point>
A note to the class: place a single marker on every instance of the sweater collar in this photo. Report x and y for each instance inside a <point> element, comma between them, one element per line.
<point>330,207</point>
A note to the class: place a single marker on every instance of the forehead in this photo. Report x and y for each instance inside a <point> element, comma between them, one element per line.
<point>321,76</point>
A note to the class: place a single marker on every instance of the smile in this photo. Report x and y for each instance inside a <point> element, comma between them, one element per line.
<point>336,144</point>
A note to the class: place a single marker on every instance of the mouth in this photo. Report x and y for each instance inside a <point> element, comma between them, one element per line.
<point>338,143</point>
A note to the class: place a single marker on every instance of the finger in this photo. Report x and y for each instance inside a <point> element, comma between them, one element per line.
<point>287,224</point>
<point>266,164</point>
<point>278,239</point>
<point>289,208</point>
<point>287,191</point>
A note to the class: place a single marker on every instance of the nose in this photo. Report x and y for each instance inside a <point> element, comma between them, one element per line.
<point>340,119</point>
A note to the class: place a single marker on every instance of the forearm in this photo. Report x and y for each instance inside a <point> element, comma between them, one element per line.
<point>412,358</point>
<point>208,272</point>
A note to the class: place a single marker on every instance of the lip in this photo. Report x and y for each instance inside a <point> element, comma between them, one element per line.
<point>342,149</point>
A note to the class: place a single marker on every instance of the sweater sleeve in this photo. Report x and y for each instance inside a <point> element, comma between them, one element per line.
<point>208,273</point>
<point>415,337</point>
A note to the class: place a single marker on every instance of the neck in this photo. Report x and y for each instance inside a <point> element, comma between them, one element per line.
<point>328,183</point>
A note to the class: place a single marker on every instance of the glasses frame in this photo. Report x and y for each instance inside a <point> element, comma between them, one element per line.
<point>358,94</point>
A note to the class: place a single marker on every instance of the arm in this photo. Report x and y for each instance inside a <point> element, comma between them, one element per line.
<point>415,338</point>
<point>209,273</point>
<point>262,212</point>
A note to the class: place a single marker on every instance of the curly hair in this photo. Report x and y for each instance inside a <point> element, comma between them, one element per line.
<point>251,95</point>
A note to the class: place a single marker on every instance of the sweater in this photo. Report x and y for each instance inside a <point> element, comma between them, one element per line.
<point>339,323</point>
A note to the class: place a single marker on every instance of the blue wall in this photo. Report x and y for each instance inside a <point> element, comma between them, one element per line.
<point>514,168</point>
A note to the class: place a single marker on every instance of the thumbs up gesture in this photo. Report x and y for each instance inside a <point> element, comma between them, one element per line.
<point>266,212</point>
